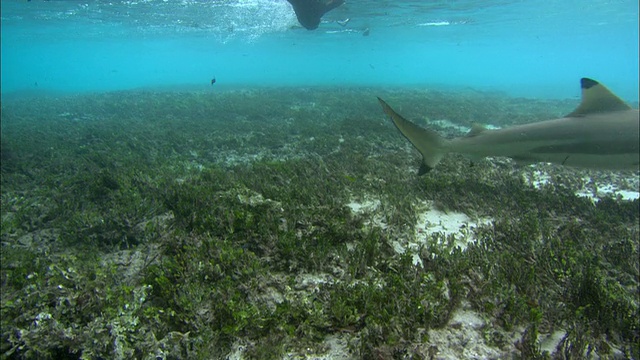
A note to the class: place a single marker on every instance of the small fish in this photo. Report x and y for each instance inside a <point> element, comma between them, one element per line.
<point>601,133</point>
<point>213,81</point>
<point>344,22</point>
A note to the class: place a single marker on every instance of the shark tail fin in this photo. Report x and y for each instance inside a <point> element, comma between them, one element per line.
<point>309,12</point>
<point>431,145</point>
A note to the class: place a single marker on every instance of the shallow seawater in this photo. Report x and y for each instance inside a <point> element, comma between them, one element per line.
<point>290,221</point>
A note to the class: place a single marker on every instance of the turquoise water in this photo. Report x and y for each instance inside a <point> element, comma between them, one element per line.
<point>525,48</point>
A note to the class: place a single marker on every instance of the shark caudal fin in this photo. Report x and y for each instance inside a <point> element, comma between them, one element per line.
<point>596,98</point>
<point>309,12</point>
<point>428,142</point>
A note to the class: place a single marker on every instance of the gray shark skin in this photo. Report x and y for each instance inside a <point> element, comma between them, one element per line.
<point>309,12</point>
<point>601,133</point>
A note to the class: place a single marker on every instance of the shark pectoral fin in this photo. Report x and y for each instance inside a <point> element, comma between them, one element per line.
<point>427,142</point>
<point>596,98</point>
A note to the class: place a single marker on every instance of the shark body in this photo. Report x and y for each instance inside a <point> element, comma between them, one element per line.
<point>601,133</point>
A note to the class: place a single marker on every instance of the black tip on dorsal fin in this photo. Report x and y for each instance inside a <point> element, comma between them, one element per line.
<point>586,83</point>
<point>596,98</point>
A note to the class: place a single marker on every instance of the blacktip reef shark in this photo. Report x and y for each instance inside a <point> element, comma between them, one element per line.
<point>601,133</point>
<point>309,12</point>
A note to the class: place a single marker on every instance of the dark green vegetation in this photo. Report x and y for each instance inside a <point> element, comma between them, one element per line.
<point>175,225</point>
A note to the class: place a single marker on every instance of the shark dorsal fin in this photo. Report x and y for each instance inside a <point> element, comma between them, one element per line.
<point>596,98</point>
<point>476,129</point>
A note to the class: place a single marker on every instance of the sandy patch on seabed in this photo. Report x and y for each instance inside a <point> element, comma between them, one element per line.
<point>623,185</point>
<point>465,336</point>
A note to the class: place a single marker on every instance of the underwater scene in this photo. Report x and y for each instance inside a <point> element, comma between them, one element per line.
<point>320,179</point>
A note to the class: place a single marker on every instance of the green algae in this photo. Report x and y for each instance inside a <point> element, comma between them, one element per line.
<point>175,225</point>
